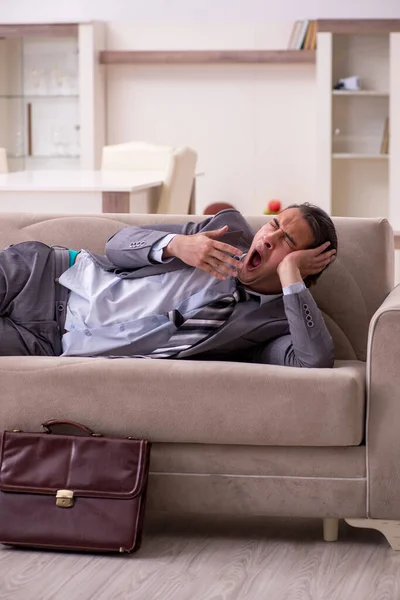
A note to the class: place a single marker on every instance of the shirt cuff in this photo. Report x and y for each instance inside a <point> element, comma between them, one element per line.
<point>157,250</point>
<point>294,288</point>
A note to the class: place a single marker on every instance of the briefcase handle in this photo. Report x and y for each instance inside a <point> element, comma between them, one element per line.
<point>47,426</point>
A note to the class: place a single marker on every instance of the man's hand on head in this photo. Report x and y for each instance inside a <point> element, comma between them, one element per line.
<point>299,264</point>
<point>204,251</point>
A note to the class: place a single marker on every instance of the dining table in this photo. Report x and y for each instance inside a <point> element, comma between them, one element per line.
<point>82,191</point>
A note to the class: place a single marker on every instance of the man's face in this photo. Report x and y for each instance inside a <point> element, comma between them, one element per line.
<point>282,235</point>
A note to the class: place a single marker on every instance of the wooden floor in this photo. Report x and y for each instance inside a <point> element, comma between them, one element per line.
<point>257,559</point>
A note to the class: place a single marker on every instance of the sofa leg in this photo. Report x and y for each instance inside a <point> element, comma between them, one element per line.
<point>331,529</point>
<point>390,529</point>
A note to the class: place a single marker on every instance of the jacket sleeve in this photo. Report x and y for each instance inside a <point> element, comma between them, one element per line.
<point>309,343</point>
<point>130,247</point>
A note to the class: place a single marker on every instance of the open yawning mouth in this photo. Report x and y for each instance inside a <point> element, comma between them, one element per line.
<point>254,261</point>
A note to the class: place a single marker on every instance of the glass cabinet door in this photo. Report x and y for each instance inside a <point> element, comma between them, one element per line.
<point>39,102</point>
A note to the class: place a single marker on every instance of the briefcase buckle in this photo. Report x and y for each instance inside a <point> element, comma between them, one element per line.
<point>65,498</point>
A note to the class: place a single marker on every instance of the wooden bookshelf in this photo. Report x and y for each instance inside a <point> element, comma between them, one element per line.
<point>360,93</point>
<point>359,156</point>
<point>130,57</point>
<point>39,29</point>
<point>358,26</point>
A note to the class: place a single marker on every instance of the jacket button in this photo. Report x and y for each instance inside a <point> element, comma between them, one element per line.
<point>88,333</point>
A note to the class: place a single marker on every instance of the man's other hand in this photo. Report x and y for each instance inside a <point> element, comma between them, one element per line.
<point>305,262</point>
<point>204,251</point>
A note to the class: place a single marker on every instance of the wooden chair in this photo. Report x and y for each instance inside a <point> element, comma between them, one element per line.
<point>178,165</point>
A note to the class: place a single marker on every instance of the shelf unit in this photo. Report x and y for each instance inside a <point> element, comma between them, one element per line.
<point>355,156</point>
<point>354,177</point>
<point>52,95</point>
<point>129,57</point>
<point>360,93</point>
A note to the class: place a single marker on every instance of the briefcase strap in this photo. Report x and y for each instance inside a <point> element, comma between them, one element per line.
<point>48,425</point>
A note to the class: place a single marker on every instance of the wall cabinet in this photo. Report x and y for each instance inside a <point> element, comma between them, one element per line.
<point>358,174</point>
<point>52,95</point>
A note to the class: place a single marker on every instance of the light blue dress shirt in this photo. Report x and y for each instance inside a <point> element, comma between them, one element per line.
<point>105,312</point>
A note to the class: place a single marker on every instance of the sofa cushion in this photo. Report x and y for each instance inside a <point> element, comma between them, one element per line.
<point>188,401</point>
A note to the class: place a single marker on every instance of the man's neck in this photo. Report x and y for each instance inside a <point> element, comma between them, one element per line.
<point>268,288</point>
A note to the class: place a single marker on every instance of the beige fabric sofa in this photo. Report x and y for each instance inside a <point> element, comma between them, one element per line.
<point>243,439</point>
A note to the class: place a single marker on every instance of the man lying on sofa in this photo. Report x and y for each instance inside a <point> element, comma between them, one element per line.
<point>212,289</point>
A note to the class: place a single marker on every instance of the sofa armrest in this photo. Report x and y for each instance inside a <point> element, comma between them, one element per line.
<point>383,411</point>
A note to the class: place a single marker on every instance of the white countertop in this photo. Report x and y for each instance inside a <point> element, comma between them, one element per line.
<point>80,181</point>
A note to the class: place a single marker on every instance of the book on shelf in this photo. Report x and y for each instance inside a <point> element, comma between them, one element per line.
<point>303,36</point>
<point>313,37</point>
<point>385,138</point>
<point>294,35</point>
<point>307,39</point>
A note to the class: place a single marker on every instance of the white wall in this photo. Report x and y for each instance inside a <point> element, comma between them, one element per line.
<point>253,126</point>
<point>195,10</point>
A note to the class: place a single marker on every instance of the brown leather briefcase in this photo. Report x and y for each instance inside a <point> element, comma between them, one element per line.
<point>73,492</point>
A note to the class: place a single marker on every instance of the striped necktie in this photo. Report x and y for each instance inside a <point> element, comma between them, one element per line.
<point>205,323</point>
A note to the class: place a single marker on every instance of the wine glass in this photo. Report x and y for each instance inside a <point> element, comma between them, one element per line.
<point>19,147</point>
<point>37,79</point>
<point>75,145</point>
<point>59,141</point>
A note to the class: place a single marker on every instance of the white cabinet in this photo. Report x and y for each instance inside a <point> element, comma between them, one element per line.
<point>52,95</point>
<point>357,175</point>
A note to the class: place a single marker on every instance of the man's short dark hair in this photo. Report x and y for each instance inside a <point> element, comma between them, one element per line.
<point>323,231</point>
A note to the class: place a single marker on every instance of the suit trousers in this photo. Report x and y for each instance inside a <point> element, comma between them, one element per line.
<point>32,302</point>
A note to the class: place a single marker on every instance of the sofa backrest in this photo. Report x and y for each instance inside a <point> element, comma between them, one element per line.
<point>348,293</point>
